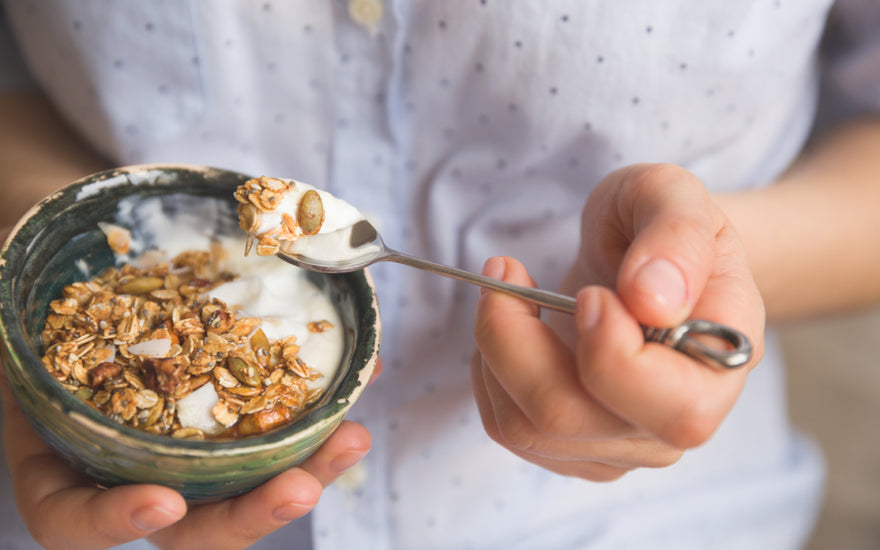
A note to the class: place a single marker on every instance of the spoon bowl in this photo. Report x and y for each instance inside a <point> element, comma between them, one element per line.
<point>354,247</point>
<point>360,245</point>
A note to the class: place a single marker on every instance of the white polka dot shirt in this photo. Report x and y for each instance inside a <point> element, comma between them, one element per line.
<point>470,128</point>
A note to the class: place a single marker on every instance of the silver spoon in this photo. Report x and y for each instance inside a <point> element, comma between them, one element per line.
<point>365,247</point>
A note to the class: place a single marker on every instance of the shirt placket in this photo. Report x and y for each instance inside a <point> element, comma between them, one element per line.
<point>363,171</point>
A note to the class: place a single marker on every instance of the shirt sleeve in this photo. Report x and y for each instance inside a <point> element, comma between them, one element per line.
<point>14,74</point>
<point>851,62</point>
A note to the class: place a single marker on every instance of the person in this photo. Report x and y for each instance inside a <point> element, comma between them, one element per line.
<point>648,159</point>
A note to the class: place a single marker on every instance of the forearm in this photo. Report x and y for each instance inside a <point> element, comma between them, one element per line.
<point>39,153</point>
<point>812,238</point>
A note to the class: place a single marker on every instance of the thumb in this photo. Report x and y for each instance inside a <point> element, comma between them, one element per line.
<point>666,267</point>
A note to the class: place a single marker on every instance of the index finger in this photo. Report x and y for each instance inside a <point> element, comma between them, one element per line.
<point>534,367</point>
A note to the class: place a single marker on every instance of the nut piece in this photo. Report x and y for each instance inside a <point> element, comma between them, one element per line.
<point>310,214</point>
<point>102,372</point>
<point>163,375</point>
<point>219,320</point>
<point>263,421</point>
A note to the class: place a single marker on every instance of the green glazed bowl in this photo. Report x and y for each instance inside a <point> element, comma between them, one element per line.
<point>47,250</point>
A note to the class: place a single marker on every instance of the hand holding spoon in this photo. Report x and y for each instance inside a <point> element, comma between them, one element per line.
<point>360,245</point>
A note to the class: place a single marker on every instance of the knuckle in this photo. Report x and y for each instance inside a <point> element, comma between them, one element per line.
<point>515,435</point>
<point>557,419</point>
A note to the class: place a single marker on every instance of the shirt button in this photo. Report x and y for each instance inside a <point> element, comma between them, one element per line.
<point>367,13</point>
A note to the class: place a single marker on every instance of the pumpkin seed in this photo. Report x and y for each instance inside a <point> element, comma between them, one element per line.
<point>260,343</point>
<point>247,217</point>
<point>245,373</point>
<point>84,393</point>
<point>310,214</point>
<point>141,285</point>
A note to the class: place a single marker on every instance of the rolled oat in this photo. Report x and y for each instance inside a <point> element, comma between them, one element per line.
<point>133,342</point>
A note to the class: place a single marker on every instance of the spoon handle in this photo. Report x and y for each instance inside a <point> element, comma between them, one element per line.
<point>686,337</point>
<point>544,298</point>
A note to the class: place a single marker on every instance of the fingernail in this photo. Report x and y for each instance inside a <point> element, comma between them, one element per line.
<point>494,268</point>
<point>346,460</point>
<point>290,511</point>
<point>590,309</point>
<point>663,281</point>
<point>153,518</point>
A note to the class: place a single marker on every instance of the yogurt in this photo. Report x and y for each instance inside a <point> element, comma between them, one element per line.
<point>265,287</point>
<point>338,213</point>
<point>289,214</point>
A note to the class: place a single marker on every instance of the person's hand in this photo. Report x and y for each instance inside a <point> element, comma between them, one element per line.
<point>62,509</point>
<point>611,402</point>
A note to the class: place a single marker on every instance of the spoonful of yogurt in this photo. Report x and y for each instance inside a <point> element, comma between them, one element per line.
<point>312,229</point>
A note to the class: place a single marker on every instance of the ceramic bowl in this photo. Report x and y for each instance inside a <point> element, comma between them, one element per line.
<point>49,248</point>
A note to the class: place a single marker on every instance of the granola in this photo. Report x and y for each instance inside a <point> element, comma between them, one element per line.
<point>134,343</point>
<point>260,198</point>
<point>300,220</point>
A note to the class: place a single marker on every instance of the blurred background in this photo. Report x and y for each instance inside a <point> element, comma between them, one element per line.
<point>834,392</point>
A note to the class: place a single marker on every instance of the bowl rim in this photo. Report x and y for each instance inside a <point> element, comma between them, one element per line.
<point>21,354</point>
